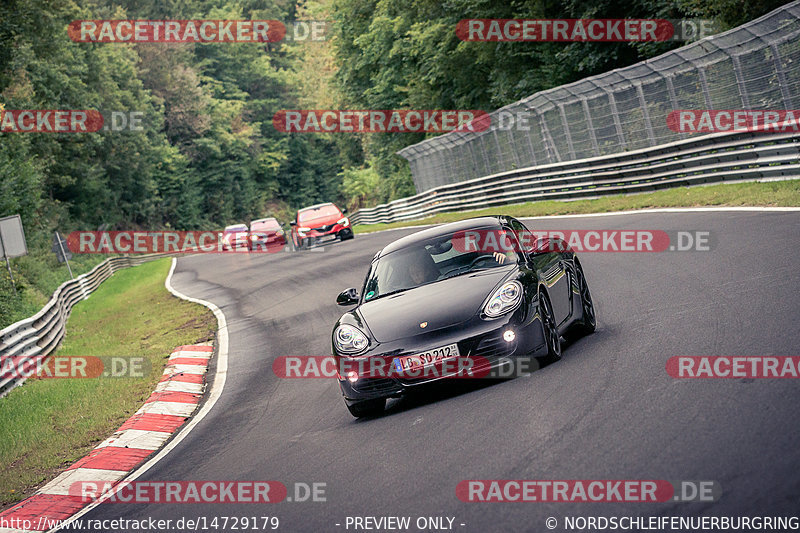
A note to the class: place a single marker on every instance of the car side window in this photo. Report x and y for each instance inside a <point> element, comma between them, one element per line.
<point>516,252</point>
<point>523,236</point>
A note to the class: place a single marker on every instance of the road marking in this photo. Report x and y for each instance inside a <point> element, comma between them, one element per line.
<point>213,396</point>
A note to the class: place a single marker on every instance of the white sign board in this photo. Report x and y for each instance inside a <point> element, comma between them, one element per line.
<point>12,238</point>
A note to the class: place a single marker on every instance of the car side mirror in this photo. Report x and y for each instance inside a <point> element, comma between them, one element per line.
<point>344,210</point>
<point>347,297</point>
<point>292,223</point>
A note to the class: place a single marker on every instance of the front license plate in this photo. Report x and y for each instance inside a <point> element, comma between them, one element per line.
<point>423,359</point>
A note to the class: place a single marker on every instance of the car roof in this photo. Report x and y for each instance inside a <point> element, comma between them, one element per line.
<point>235,227</point>
<point>261,220</point>
<point>443,229</point>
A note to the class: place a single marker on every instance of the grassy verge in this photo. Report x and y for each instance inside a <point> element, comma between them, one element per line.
<point>777,193</point>
<point>47,424</point>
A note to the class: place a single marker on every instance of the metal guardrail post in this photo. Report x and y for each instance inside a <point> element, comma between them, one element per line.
<point>776,59</point>
<point>552,149</point>
<point>567,135</point>
<point>737,71</point>
<point>82,283</point>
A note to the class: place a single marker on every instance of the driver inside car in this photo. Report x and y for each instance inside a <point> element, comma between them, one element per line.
<point>501,257</point>
<point>421,268</point>
<point>507,245</point>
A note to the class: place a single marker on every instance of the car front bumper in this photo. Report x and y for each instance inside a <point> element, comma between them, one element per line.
<point>481,346</point>
<point>335,231</point>
<point>271,243</point>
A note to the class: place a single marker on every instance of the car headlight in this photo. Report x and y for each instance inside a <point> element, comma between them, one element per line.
<point>504,300</point>
<point>344,221</point>
<point>349,339</point>
<point>303,229</point>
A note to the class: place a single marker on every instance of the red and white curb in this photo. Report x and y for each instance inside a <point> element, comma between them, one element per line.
<point>163,413</point>
<point>173,401</point>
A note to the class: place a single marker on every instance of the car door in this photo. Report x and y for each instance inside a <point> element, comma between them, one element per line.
<point>545,258</point>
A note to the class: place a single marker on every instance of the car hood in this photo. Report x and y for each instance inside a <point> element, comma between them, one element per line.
<point>321,221</point>
<point>441,304</point>
<point>264,232</point>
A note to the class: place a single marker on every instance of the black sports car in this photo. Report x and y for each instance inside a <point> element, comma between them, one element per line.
<point>457,299</point>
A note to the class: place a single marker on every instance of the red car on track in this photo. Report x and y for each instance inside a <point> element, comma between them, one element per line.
<point>235,238</point>
<point>320,223</point>
<point>266,235</point>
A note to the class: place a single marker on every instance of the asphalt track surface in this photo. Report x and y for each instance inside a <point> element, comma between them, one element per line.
<point>607,410</point>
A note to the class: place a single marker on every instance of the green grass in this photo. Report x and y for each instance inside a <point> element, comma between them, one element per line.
<point>777,193</point>
<point>47,424</point>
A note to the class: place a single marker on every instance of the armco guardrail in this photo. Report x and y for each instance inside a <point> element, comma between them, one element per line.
<point>755,66</point>
<point>28,342</point>
<point>609,133</point>
<point>720,157</point>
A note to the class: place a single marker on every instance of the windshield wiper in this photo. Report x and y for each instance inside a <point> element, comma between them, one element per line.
<point>389,293</point>
<point>455,273</point>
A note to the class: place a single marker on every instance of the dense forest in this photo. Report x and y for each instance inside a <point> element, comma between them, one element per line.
<point>209,155</point>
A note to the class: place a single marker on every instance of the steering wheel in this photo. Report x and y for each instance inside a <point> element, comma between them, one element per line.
<point>482,258</point>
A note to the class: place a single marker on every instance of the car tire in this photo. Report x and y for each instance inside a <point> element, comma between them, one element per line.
<point>588,322</point>
<point>346,236</point>
<point>549,329</point>
<point>367,408</point>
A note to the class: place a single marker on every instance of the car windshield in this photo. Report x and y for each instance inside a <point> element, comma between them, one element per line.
<point>428,262</point>
<point>265,224</point>
<point>319,212</point>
